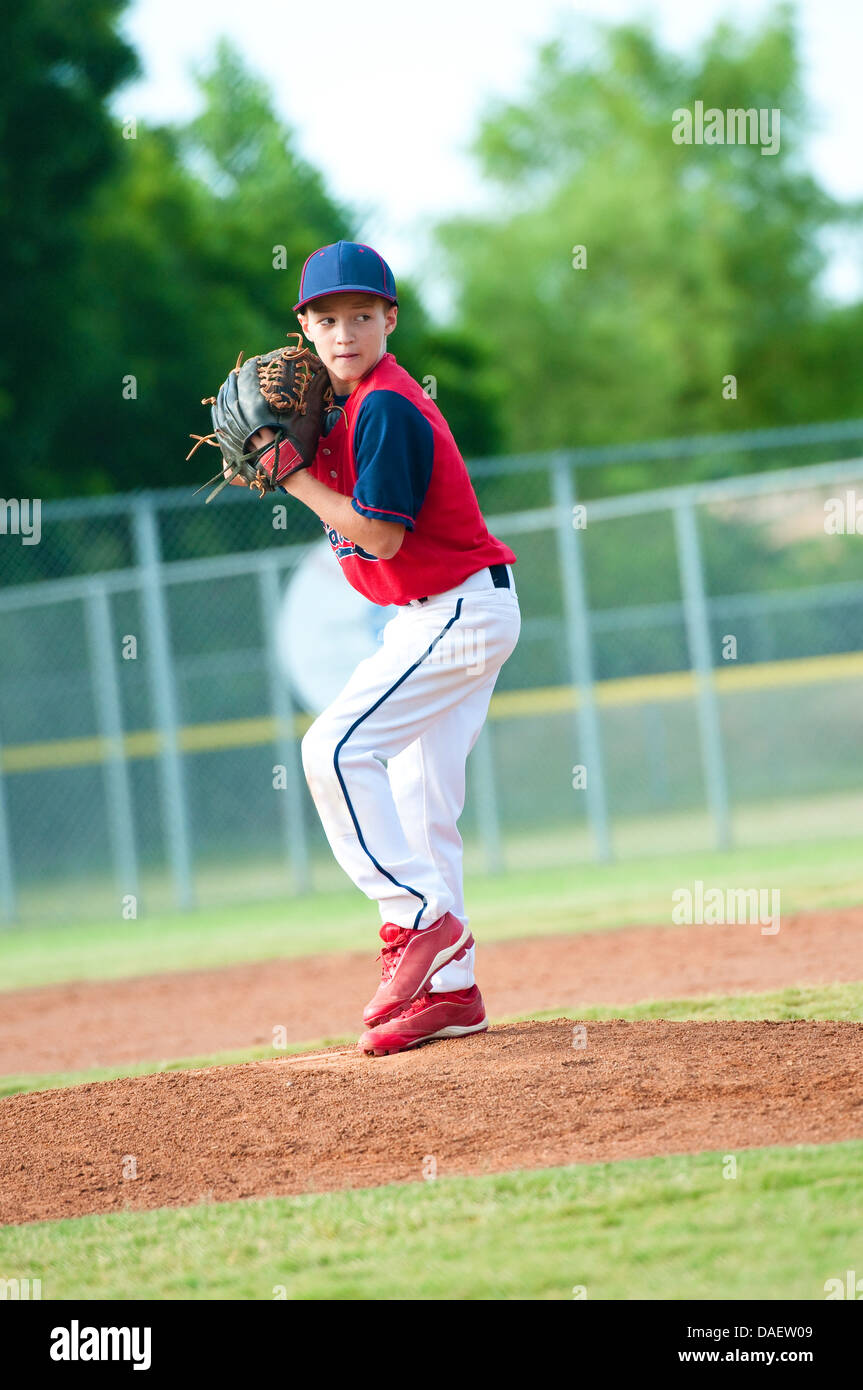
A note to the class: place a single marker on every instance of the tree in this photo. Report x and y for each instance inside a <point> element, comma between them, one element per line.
<point>193,253</point>
<point>702,261</point>
<point>59,63</point>
<point>190,249</point>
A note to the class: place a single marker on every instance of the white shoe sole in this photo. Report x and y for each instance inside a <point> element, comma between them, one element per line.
<point>443,958</point>
<point>457,1030</point>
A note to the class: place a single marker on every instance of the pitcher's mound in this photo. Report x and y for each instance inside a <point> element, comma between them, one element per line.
<point>523,1095</point>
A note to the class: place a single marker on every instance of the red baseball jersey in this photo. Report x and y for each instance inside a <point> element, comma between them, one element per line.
<point>392,452</point>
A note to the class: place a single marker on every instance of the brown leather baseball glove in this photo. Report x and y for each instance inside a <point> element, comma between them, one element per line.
<point>288,390</point>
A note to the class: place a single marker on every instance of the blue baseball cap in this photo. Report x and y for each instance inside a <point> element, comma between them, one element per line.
<point>345,267</point>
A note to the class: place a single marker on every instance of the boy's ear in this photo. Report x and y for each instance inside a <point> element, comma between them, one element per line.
<point>303,321</point>
<point>391,317</point>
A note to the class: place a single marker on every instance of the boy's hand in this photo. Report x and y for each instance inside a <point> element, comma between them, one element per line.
<point>258,440</point>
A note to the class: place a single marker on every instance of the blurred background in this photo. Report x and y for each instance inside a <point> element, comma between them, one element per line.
<point>690,672</point>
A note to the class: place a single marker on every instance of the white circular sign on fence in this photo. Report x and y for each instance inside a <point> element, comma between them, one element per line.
<point>324,629</point>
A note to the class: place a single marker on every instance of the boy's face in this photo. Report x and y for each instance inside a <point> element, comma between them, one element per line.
<point>350,333</point>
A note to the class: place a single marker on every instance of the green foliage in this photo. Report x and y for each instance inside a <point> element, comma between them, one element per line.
<point>188,244</point>
<point>59,61</point>
<point>157,258</point>
<point>702,261</point>
<point>184,268</point>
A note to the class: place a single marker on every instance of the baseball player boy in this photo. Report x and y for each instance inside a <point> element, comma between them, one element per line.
<point>385,763</point>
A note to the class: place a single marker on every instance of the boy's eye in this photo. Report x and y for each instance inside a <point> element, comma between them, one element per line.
<point>328,322</point>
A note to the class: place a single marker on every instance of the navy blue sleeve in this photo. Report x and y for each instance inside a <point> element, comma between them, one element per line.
<point>393,452</point>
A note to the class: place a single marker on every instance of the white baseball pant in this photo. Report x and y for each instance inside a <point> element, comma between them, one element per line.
<point>385,763</point>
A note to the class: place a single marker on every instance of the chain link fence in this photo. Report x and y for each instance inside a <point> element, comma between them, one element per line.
<point>690,674</point>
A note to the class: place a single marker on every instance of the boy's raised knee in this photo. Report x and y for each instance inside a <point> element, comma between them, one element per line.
<point>318,751</point>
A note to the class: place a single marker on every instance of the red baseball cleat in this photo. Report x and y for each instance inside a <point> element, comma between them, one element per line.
<point>427,1017</point>
<point>408,961</point>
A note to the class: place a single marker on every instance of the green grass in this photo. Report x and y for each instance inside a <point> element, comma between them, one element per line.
<point>669,1228</point>
<point>582,897</point>
<point>842,1002</point>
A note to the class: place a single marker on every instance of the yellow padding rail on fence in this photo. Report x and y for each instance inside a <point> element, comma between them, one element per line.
<point>510,704</point>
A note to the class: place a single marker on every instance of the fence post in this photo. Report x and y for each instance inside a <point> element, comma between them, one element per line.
<point>698,641</point>
<point>487,805</point>
<point>8,904</point>
<point>164,695</point>
<point>580,651</point>
<point>121,825</point>
<point>282,705</point>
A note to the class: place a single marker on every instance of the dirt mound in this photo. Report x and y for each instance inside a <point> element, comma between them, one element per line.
<point>192,1013</point>
<point>520,1096</point>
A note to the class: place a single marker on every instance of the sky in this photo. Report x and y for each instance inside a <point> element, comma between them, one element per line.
<point>415,78</point>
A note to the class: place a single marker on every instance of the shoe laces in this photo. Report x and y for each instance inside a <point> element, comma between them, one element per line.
<point>391,953</point>
<point>416,1006</point>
